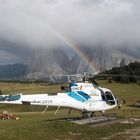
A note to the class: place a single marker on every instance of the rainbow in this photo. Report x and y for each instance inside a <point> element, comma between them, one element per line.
<point>88,60</point>
<point>85,57</point>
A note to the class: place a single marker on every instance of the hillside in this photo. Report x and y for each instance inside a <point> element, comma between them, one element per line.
<point>41,63</point>
<point>125,74</point>
<point>44,62</point>
<point>13,71</point>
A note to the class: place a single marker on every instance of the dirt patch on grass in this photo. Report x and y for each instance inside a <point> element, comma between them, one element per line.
<point>130,134</point>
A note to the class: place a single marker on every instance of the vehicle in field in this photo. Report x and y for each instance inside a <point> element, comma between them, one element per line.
<point>7,116</point>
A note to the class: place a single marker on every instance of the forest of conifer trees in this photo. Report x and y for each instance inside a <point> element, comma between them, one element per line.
<point>124,74</point>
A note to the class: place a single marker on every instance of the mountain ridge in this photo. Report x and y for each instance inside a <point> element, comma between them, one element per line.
<point>45,62</point>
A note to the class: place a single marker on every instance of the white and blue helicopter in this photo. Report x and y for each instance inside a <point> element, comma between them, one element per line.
<point>83,96</point>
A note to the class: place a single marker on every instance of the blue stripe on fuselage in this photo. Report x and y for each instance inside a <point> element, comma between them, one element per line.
<point>76,96</point>
<point>84,95</point>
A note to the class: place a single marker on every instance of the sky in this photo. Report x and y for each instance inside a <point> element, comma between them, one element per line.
<point>51,23</point>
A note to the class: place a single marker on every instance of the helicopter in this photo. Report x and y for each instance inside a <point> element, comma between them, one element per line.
<point>83,96</point>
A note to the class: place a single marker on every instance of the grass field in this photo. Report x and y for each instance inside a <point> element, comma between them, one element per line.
<point>34,125</point>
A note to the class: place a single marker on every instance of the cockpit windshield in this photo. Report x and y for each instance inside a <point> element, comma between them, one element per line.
<point>109,98</point>
<point>109,95</point>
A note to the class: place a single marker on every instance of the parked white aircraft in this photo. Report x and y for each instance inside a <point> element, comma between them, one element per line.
<point>81,96</point>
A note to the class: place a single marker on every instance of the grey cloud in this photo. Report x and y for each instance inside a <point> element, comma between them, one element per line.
<point>13,53</point>
<point>48,23</point>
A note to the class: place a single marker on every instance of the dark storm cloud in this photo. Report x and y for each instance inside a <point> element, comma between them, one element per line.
<point>13,53</point>
<point>48,23</point>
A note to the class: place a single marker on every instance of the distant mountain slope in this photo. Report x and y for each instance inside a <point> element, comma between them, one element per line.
<point>44,62</point>
<point>13,71</point>
<point>57,61</point>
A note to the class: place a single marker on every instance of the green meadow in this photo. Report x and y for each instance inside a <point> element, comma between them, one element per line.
<point>33,124</point>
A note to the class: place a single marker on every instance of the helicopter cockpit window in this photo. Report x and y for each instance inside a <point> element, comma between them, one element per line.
<point>109,95</point>
<point>65,88</point>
